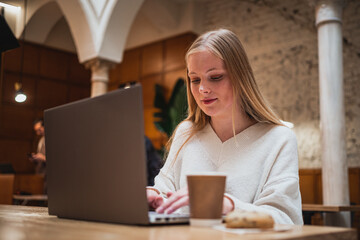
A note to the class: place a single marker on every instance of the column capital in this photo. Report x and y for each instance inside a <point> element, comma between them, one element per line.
<point>99,75</point>
<point>99,64</point>
<point>328,10</point>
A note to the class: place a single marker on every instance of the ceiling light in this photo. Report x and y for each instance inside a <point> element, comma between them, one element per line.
<point>20,96</point>
<point>8,6</point>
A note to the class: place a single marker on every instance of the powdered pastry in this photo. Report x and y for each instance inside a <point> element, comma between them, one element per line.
<point>246,219</point>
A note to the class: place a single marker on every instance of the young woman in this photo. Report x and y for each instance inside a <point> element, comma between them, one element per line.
<point>231,129</point>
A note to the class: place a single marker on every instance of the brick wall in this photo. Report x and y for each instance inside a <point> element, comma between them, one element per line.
<point>281,41</point>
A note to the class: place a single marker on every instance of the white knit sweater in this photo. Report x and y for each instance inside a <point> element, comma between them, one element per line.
<point>261,164</point>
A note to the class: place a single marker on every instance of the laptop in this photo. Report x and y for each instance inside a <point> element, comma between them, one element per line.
<point>96,160</point>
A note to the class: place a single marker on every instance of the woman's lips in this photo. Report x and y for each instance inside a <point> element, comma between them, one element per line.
<point>209,101</point>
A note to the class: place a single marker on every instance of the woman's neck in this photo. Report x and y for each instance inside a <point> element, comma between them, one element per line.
<point>223,127</point>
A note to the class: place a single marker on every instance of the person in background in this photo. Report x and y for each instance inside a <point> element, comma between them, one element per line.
<point>154,162</point>
<point>231,129</point>
<point>39,158</point>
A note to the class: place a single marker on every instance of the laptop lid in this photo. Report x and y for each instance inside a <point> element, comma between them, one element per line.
<point>96,163</point>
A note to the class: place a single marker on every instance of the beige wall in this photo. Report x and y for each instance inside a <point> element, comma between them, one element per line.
<point>281,41</point>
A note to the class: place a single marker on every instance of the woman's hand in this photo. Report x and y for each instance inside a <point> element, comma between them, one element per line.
<point>38,157</point>
<point>179,199</point>
<point>228,205</point>
<point>175,201</point>
<point>154,198</point>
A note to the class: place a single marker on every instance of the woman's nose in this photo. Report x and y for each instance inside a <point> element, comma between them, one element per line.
<point>204,88</point>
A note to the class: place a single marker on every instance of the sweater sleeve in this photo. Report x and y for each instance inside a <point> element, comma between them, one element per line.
<point>165,181</point>
<point>280,194</point>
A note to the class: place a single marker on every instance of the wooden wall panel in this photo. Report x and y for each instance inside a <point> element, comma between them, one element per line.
<point>31,55</point>
<point>307,188</point>
<point>6,188</point>
<point>31,59</point>
<point>150,129</point>
<point>14,152</point>
<point>318,190</point>
<point>170,80</point>
<point>54,64</point>
<point>354,185</point>
<point>311,185</point>
<point>161,62</point>
<point>29,88</point>
<point>8,87</point>
<point>112,86</point>
<point>128,70</point>
<point>115,77</point>
<point>12,60</point>
<point>148,85</point>
<point>30,183</point>
<point>77,72</point>
<point>152,59</point>
<point>50,77</point>
<point>50,94</point>
<point>175,49</point>
<point>16,122</point>
<point>77,93</point>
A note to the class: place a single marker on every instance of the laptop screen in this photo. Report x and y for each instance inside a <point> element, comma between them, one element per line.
<point>96,163</point>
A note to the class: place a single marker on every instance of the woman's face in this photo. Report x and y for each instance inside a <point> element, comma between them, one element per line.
<point>210,84</point>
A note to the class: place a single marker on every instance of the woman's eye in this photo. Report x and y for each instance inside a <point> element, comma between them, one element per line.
<point>196,80</point>
<point>217,77</point>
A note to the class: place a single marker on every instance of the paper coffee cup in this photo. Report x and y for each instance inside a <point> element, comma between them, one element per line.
<point>206,194</point>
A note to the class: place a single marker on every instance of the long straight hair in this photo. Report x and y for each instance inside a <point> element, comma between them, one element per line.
<point>226,45</point>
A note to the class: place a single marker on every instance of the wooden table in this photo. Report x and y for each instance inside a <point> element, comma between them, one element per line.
<point>310,209</point>
<point>330,208</point>
<point>22,222</point>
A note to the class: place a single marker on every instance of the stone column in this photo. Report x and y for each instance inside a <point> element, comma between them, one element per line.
<point>332,113</point>
<point>99,75</point>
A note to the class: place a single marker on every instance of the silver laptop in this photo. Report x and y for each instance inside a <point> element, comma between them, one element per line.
<point>96,160</point>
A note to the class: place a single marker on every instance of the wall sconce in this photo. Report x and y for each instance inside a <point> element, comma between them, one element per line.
<point>20,96</point>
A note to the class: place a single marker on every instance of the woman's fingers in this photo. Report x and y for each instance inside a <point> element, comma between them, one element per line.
<point>157,201</point>
<point>154,199</point>
<point>175,201</point>
<point>228,205</point>
<point>177,204</point>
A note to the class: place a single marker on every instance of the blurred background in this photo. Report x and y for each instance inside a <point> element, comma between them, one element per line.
<point>66,45</point>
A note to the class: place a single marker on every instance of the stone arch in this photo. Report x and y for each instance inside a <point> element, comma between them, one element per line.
<point>118,28</point>
<point>96,33</point>
<point>42,19</point>
<point>80,28</point>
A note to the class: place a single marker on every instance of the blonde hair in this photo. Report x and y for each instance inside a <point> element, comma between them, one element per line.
<point>226,45</point>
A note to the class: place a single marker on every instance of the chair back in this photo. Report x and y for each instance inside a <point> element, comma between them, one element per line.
<point>6,188</point>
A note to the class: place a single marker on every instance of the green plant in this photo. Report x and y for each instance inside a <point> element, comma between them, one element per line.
<point>170,113</point>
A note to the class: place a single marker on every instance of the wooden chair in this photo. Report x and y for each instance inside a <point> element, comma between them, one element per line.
<point>6,188</point>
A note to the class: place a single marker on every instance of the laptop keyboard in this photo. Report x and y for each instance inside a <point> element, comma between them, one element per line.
<point>168,218</point>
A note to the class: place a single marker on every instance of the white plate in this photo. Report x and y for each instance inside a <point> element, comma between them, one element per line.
<point>277,228</point>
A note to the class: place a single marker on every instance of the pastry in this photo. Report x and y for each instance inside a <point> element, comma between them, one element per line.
<point>247,219</point>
